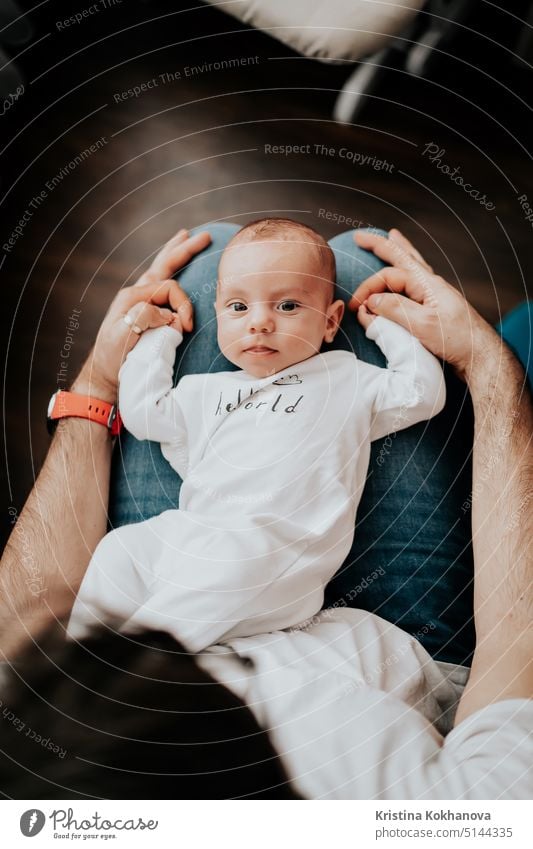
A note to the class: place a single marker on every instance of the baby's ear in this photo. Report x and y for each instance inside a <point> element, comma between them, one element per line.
<point>334,317</point>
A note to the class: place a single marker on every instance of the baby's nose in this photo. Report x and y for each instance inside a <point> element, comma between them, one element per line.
<point>260,319</point>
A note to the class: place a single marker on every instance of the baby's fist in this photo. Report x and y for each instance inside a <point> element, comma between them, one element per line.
<point>365,317</point>
<point>175,323</point>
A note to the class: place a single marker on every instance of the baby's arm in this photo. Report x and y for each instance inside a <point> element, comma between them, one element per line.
<point>147,400</point>
<point>411,388</point>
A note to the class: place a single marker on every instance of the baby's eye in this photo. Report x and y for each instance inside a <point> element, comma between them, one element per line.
<point>237,306</point>
<point>288,306</point>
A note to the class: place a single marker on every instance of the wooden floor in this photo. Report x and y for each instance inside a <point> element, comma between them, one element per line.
<point>193,148</point>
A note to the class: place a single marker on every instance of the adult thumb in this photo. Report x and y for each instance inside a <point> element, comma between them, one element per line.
<point>397,308</point>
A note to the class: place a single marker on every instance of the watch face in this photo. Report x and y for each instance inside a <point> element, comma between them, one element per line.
<point>51,424</point>
<point>51,405</point>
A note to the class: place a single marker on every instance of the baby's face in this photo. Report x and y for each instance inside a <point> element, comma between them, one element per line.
<point>273,306</point>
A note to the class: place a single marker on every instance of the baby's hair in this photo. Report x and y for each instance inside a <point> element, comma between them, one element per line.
<point>265,228</point>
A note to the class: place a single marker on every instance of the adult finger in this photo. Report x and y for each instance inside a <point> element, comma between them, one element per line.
<point>387,249</point>
<point>178,252</point>
<point>116,337</point>
<point>159,292</point>
<point>402,240</point>
<point>173,256</point>
<point>404,311</point>
<point>154,272</point>
<point>386,280</point>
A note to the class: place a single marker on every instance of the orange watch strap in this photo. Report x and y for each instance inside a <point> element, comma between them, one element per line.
<point>67,404</point>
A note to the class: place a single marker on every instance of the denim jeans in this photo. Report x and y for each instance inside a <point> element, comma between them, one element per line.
<point>411,559</point>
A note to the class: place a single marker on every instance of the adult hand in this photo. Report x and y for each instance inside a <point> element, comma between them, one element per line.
<point>409,293</point>
<point>145,304</point>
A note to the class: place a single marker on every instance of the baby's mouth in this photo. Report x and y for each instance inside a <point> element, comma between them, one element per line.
<point>259,349</point>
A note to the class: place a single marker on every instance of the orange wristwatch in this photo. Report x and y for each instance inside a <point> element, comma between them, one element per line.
<point>65,404</point>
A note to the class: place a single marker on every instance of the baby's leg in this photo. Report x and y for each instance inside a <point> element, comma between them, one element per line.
<point>196,577</point>
<point>214,576</point>
<point>116,583</point>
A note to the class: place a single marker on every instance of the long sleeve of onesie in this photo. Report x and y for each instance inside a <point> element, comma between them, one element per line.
<point>411,388</point>
<point>148,402</point>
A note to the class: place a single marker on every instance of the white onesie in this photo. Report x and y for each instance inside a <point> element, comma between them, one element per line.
<point>273,470</point>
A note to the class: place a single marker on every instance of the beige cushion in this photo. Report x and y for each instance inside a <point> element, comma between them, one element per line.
<point>327,29</point>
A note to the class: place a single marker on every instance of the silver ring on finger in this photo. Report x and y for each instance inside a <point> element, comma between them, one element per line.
<point>127,319</point>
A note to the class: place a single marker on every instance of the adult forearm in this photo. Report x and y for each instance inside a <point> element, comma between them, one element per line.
<point>501,524</point>
<point>501,489</point>
<point>65,515</point>
<point>59,527</point>
<point>444,322</point>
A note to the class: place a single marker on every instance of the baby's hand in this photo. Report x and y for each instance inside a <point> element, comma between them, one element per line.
<point>175,322</point>
<point>365,317</point>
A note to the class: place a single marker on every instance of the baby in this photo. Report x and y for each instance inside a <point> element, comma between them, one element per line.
<point>273,457</point>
